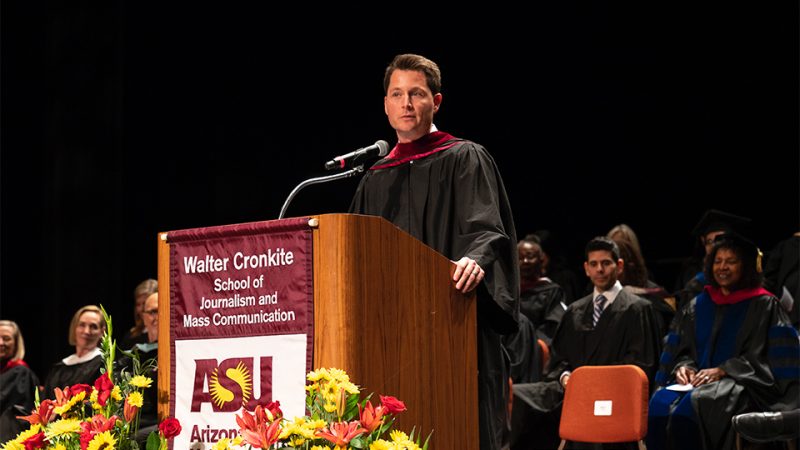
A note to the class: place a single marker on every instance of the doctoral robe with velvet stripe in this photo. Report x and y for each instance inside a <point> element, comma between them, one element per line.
<point>447,192</point>
<point>753,342</point>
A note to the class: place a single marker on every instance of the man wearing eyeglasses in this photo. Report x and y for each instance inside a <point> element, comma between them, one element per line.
<point>150,317</point>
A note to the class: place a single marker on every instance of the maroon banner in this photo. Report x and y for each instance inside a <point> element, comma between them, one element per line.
<point>250,279</point>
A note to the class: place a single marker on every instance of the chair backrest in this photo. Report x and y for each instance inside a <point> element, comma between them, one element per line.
<point>605,404</point>
<point>545,351</point>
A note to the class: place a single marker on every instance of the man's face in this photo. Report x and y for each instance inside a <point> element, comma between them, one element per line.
<point>150,315</point>
<point>602,269</point>
<point>410,104</point>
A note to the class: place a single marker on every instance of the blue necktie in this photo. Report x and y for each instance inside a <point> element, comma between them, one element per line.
<point>599,303</point>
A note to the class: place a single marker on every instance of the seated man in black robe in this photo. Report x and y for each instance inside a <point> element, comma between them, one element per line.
<point>608,327</point>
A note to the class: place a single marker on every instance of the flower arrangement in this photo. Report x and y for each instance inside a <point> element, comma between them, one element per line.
<point>105,416</point>
<point>100,417</point>
<point>338,419</point>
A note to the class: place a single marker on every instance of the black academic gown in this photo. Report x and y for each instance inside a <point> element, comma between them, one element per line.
<point>17,390</point>
<point>524,354</point>
<point>625,334</point>
<point>783,270</point>
<point>544,305</point>
<point>454,201</point>
<point>62,375</point>
<point>753,342</point>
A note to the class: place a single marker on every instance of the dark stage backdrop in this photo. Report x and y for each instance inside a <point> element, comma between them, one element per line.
<point>122,119</point>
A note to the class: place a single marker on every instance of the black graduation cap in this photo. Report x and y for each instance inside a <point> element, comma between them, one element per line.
<point>748,247</point>
<point>716,220</point>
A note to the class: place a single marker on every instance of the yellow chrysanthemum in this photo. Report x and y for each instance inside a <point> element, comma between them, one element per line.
<point>93,400</point>
<point>77,398</point>
<point>320,447</point>
<point>102,441</point>
<point>350,387</point>
<point>319,374</point>
<point>222,444</point>
<point>63,427</point>
<point>141,381</point>
<point>380,444</point>
<point>299,428</point>
<point>297,441</point>
<point>13,445</point>
<point>237,440</point>
<point>116,394</point>
<point>329,407</point>
<point>136,399</point>
<point>57,447</point>
<point>338,374</point>
<point>33,430</point>
<point>316,424</point>
<point>399,437</point>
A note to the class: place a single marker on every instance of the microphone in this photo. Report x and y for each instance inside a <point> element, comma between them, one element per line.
<point>379,148</point>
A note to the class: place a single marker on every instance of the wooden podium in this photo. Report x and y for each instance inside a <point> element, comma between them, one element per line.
<point>386,312</point>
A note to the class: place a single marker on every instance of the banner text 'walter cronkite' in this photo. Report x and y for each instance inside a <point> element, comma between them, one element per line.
<point>241,299</point>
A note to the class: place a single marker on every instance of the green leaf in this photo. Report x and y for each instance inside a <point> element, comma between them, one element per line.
<point>153,441</point>
<point>358,442</point>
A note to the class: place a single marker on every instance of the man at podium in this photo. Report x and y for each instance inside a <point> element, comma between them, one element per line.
<point>447,192</point>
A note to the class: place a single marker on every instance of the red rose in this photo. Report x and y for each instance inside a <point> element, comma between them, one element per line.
<point>393,405</point>
<point>274,407</point>
<point>76,389</point>
<point>35,441</point>
<point>170,427</point>
<point>104,387</point>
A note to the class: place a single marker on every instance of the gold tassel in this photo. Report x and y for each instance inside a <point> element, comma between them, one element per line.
<point>758,260</point>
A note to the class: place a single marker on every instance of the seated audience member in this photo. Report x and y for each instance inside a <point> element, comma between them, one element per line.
<point>148,357</point>
<point>625,232</point>
<point>17,382</point>
<point>556,267</point>
<point>782,275</point>
<point>634,280</point>
<point>541,300</point>
<point>608,327</point>
<point>730,350</point>
<point>137,333</point>
<point>85,331</point>
<point>712,224</point>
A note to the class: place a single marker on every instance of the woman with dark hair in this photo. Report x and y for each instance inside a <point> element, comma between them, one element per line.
<point>731,350</point>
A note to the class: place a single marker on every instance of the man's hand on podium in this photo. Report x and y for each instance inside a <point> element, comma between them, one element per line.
<point>468,274</point>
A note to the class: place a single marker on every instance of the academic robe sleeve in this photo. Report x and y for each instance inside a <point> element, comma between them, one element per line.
<point>485,232</point>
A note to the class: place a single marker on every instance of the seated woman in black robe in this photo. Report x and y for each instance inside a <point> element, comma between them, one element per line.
<point>541,300</point>
<point>18,383</point>
<point>731,350</point>
<point>83,366</point>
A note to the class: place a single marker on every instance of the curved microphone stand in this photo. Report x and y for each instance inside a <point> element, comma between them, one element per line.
<point>317,180</point>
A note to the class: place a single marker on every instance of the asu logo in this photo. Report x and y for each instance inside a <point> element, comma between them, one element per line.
<point>230,384</point>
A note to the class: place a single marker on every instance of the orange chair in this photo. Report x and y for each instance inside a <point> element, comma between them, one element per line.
<point>605,404</point>
<point>545,350</point>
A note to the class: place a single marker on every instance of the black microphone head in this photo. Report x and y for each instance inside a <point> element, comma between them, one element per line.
<point>383,148</point>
